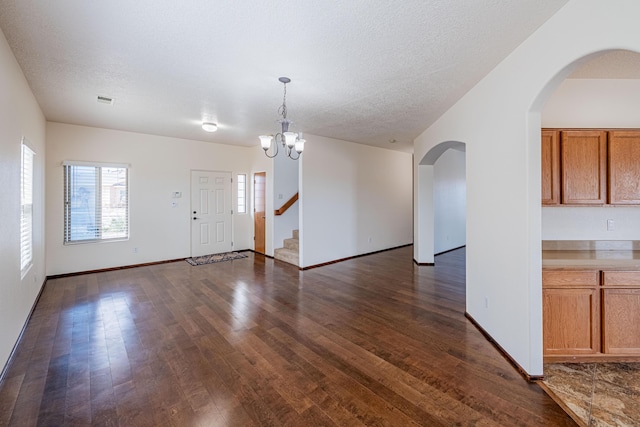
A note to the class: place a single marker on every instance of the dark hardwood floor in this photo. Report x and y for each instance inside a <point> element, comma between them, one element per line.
<point>375,340</point>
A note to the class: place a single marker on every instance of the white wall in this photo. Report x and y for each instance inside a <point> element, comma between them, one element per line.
<point>499,120</point>
<point>450,194</point>
<point>159,166</point>
<point>589,103</point>
<point>20,116</point>
<point>355,199</point>
<point>285,185</point>
<point>424,218</point>
<point>590,223</point>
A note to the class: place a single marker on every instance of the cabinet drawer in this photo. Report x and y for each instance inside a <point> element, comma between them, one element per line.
<point>621,278</point>
<point>572,278</point>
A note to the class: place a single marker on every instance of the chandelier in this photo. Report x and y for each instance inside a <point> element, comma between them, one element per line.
<point>291,142</point>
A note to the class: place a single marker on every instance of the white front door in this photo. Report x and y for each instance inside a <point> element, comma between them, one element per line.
<point>210,212</point>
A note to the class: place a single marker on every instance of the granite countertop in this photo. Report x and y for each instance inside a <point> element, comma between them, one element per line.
<point>599,260</point>
<point>593,254</point>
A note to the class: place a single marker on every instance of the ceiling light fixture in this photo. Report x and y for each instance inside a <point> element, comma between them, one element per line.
<point>209,127</point>
<point>292,142</point>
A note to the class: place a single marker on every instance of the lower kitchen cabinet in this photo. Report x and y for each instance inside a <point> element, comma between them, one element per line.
<point>621,321</point>
<point>591,314</point>
<point>571,312</point>
<point>571,321</point>
<point>621,312</point>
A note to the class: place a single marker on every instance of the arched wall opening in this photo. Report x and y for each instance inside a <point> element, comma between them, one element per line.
<point>602,92</point>
<point>500,121</point>
<point>441,224</point>
<point>617,107</point>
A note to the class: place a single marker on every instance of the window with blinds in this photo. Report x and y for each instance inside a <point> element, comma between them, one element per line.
<point>26,208</point>
<point>96,202</point>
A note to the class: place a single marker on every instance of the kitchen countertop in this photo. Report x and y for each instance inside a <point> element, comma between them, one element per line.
<point>592,259</point>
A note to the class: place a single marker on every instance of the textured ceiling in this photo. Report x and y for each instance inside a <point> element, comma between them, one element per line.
<point>367,71</point>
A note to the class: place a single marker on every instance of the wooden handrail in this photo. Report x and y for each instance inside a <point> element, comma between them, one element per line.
<point>287,205</point>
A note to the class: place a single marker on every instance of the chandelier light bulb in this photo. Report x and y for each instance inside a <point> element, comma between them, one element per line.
<point>265,141</point>
<point>290,139</point>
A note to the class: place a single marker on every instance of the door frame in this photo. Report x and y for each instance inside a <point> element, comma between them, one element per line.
<point>253,177</point>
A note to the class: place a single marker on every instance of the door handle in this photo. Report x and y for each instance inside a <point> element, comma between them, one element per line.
<point>195,218</point>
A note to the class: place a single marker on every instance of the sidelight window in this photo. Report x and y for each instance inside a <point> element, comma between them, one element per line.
<point>242,193</point>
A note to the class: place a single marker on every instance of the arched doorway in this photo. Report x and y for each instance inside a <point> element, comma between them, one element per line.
<point>597,91</point>
<point>442,207</point>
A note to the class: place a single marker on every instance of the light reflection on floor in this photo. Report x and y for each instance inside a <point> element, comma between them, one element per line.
<point>241,310</point>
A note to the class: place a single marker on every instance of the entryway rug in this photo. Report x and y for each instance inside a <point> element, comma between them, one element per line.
<point>210,259</point>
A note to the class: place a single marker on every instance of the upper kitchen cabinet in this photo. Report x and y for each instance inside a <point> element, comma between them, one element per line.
<point>624,168</point>
<point>550,167</point>
<point>583,156</point>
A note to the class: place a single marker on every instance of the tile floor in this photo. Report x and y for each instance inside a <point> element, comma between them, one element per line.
<point>598,394</point>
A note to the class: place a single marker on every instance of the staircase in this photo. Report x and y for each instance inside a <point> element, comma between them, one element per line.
<point>291,251</point>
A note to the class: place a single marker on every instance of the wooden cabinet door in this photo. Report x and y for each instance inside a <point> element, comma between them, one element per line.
<point>550,167</point>
<point>624,167</point>
<point>571,321</point>
<point>621,321</point>
<point>584,167</point>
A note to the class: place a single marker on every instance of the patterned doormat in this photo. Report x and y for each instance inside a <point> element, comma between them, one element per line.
<point>210,259</point>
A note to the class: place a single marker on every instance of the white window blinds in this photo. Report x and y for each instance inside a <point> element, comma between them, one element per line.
<point>26,208</point>
<point>96,202</point>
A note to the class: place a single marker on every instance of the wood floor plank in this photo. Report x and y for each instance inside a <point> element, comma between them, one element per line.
<point>8,396</point>
<point>375,340</point>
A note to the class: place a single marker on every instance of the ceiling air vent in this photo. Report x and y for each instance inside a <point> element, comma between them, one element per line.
<point>105,100</point>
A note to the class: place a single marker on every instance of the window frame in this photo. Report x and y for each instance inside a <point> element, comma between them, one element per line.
<point>98,202</point>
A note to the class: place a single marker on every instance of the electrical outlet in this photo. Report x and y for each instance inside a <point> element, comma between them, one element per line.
<point>486,302</point>
<point>611,225</point>
<point>135,250</point>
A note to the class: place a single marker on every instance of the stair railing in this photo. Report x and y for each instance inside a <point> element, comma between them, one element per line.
<point>287,205</point>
